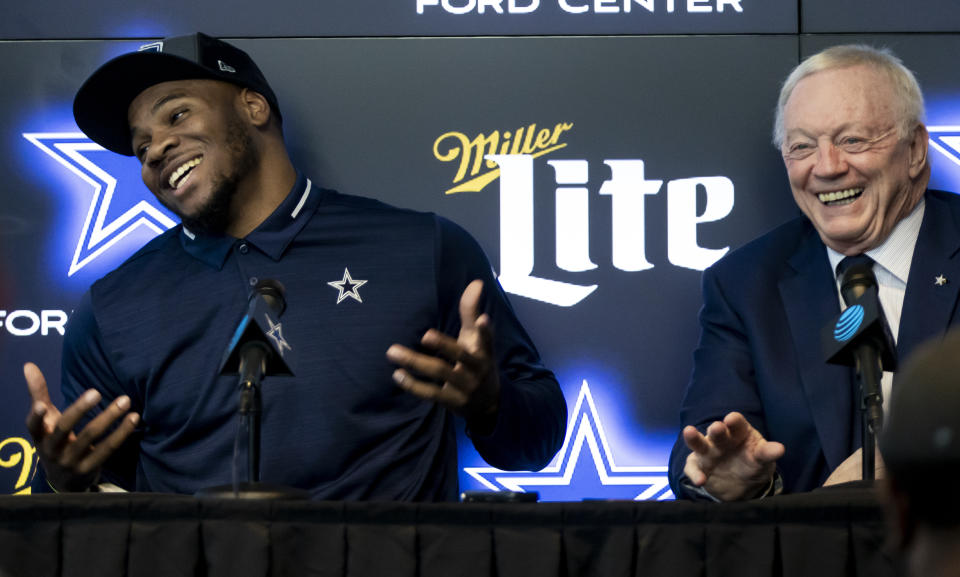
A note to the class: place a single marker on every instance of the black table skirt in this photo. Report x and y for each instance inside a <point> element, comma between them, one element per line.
<point>821,534</point>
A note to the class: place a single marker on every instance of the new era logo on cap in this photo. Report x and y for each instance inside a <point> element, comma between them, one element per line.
<point>152,47</point>
<point>226,67</point>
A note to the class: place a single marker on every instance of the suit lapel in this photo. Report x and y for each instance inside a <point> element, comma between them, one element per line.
<point>808,289</point>
<point>928,309</point>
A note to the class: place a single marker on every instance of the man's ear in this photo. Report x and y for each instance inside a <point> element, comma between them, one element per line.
<point>255,107</point>
<point>918,151</point>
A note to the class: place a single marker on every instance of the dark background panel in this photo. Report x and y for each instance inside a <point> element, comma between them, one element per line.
<point>929,56</point>
<point>877,16</point>
<point>60,19</point>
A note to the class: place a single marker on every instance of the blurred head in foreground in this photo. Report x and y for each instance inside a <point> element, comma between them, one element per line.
<point>921,449</point>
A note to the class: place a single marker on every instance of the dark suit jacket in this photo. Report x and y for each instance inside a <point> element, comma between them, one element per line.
<point>764,306</point>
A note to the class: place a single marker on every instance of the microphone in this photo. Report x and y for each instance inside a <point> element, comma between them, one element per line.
<point>273,293</point>
<point>860,337</point>
<point>862,327</point>
<point>258,347</point>
<point>856,280</point>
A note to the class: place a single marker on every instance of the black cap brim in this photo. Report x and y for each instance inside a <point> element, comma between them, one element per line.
<point>101,105</point>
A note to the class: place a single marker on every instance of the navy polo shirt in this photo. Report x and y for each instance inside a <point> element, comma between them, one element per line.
<point>359,275</point>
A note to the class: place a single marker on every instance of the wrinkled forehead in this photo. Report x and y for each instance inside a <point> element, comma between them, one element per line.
<point>830,100</point>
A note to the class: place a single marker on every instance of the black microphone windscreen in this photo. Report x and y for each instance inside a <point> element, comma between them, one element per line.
<point>273,293</point>
<point>856,280</point>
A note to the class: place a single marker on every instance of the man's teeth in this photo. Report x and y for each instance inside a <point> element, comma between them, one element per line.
<point>182,170</point>
<point>841,196</point>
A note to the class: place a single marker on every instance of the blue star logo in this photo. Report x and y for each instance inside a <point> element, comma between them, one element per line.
<point>276,334</point>
<point>946,140</point>
<point>104,225</point>
<point>597,475</point>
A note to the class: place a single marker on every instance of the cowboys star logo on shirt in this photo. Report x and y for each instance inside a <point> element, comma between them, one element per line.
<point>348,287</point>
<point>276,334</point>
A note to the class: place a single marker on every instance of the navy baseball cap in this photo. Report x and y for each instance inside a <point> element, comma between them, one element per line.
<point>100,107</point>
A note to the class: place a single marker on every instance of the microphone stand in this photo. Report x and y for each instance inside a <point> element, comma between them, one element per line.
<point>869,373</point>
<point>254,358</point>
<point>252,366</point>
<point>871,348</point>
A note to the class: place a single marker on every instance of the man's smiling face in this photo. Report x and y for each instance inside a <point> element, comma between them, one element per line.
<point>194,147</point>
<point>852,171</point>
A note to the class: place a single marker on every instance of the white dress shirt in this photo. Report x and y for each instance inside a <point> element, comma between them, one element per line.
<point>892,260</point>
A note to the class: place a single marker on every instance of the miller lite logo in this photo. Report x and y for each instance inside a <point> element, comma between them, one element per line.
<point>509,156</point>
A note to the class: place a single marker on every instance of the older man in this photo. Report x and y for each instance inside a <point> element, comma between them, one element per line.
<point>763,412</point>
<point>391,312</point>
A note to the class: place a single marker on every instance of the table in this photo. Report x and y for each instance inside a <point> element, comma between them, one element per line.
<point>821,534</point>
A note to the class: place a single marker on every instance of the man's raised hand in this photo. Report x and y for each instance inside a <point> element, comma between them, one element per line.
<point>461,373</point>
<point>732,461</point>
<point>72,461</point>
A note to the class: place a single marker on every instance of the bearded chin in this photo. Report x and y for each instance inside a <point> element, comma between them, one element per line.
<point>214,217</point>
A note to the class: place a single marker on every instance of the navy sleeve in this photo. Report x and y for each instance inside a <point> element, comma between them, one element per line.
<point>86,365</point>
<point>722,380</point>
<point>531,421</point>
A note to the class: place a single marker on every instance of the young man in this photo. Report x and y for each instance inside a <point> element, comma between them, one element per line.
<point>391,313</point>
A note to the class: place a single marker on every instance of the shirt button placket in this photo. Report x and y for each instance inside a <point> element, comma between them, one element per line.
<point>244,249</point>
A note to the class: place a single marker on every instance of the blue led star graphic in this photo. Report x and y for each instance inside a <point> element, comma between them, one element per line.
<point>597,476</point>
<point>276,333</point>
<point>106,222</point>
<point>946,140</point>
<point>347,287</point>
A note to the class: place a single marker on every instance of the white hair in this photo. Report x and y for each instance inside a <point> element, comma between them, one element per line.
<point>909,106</point>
